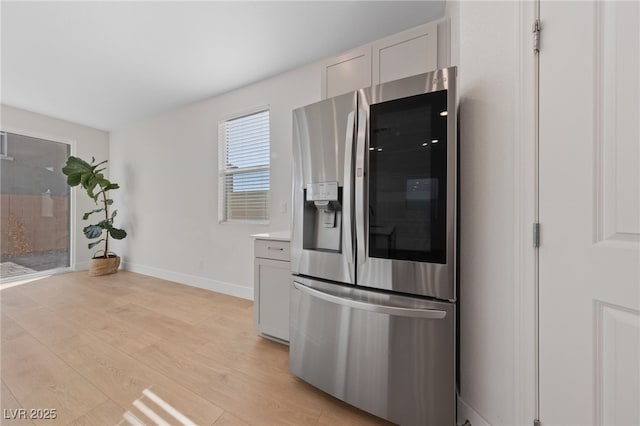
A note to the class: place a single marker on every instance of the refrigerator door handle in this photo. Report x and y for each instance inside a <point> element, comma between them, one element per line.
<point>360,195</point>
<point>347,196</point>
<point>435,314</point>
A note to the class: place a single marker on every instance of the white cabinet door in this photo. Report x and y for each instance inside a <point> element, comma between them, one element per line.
<point>272,297</point>
<point>347,72</point>
<point>590,213</point>
<point>408,53</point>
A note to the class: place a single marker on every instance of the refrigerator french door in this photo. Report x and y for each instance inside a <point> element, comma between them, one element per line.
<point>373,251</point>
<point>405,186</point>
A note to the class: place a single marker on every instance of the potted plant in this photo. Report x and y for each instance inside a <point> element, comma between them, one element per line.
<point>91,178</point>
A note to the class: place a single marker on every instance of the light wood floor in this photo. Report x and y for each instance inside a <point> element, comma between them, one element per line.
<point>129,348</point>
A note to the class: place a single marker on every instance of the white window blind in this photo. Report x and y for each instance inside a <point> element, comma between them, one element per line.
<point>244,168</point>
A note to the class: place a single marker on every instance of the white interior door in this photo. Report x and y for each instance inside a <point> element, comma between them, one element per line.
<point>590,213</point>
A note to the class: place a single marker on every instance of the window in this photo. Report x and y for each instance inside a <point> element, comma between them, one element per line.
<point>36,232</point>
<point>244,168</point>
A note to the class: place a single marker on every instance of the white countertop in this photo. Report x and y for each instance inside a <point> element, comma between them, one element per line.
<point>276,236</point>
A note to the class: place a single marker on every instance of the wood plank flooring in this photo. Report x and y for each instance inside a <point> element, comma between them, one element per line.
<point>128,349</point>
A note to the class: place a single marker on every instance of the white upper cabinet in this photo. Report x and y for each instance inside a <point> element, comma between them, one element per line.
<point>347,72</point>
<point>404,54</point>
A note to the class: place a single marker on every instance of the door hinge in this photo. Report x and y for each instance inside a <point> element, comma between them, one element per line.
<point>536,235</point>
<point>536,36</point>
<point>536,422</point>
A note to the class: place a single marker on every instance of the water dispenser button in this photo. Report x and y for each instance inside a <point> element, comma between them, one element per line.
<point>329,218</point>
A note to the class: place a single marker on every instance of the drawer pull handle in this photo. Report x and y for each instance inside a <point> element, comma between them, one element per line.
<point>275,248</point>
<point>435,314</point>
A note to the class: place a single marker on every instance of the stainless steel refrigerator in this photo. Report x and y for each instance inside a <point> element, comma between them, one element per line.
<point>373,248</point>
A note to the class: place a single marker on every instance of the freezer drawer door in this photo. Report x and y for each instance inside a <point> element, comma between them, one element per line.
<point>392,356</point>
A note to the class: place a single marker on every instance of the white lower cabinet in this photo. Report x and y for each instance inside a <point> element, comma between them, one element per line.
<point>272,277</point>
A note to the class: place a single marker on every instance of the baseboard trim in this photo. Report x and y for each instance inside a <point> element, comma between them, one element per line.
<point>466,412</point>
<point>191,280</point>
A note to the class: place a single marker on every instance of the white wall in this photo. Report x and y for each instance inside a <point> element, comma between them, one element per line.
<point>85,141</point>
<point>496,204</point>
<point>167,168</point>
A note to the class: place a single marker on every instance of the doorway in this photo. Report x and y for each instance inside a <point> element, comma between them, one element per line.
<point>35,207</point>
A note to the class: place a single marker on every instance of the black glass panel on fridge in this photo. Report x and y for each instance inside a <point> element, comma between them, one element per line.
<point>408,178</point>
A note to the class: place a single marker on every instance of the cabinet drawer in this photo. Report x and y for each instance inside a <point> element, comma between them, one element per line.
<point>269,249</point>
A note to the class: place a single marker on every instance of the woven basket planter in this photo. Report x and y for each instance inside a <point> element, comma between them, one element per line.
<point>104,265</point>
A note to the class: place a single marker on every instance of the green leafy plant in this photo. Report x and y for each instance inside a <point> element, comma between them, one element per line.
<point>91,178</point>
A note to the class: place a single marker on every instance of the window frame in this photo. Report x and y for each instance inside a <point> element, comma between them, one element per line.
<point>223,171</point>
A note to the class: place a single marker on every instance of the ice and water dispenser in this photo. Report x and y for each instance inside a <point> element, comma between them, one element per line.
<point>322,216</point>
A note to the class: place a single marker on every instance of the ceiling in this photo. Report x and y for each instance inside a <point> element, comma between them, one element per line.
<point>110,64</point>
